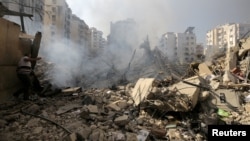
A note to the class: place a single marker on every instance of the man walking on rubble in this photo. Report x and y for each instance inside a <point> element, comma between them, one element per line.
<point>24,72</point>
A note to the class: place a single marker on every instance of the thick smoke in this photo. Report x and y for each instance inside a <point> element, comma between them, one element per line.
<point>160,16</point>
<point>73,64</point>
<point>74,67</point>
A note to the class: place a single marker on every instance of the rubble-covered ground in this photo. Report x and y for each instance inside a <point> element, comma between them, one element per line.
<point>171,108</point>
<point>109,114</point>
<point>96,114</point>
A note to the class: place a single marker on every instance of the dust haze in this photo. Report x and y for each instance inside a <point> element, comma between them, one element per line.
<point>153,19</point>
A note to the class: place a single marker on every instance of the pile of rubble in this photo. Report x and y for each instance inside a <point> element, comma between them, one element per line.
<point>173,108</point>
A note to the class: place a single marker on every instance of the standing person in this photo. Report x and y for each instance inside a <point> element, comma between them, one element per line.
<point>23,72</point>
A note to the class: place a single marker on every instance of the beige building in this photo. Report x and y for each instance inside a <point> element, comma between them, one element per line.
<point>57,16</point>
<point>225,36</point>
<point>179,47</point>
<point>199,52</point>
<point>97,42</point>
<point>123,34</point>
<point>79,32</point>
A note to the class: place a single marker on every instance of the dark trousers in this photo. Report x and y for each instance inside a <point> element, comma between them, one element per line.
<point>26,83</point>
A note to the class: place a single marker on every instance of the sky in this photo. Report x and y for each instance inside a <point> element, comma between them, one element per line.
<point>156,17</point>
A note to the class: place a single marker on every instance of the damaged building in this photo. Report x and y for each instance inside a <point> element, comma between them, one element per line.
<point>166,107</point>
<point>147,100</point>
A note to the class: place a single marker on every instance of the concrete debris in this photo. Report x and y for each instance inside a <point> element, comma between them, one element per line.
<point>72,90</point>
<point>66,108</point>
<point>150,108</point>
<point>142,135</point>
<point>227,99</point>
<point>122,120</point>
<point>142,89</point>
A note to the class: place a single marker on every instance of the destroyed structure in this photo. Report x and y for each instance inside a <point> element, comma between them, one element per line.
<point>171,104</point>
<point>174,108</point>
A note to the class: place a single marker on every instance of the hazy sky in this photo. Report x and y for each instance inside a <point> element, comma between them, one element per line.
<point>156,17</point>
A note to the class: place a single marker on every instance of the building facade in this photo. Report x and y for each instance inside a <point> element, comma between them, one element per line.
<point>55,20</point>
<point>179,47</point>
<point>97,42</point>
<point>56,23</point>
<point>225,36</point>
<point>80,32</point>
<point>123,34</point>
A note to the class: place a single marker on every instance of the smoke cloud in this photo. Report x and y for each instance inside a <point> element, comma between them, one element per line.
<point>153,18</point>
<point>160,16</point>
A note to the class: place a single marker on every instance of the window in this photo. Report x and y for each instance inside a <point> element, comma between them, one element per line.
<point>53,18</point>
<point>53,9</point>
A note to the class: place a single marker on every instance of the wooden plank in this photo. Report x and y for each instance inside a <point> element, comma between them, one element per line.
<point>35,47</point>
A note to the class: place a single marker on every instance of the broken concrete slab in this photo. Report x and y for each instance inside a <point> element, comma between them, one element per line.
<point>122,120</point>
<point>191,91</point>
<point>66,108</point>
<point>227,99</point>
<point>143,135</point>
<point>113,106</point>
<point>131,137</point>
<point>245,47</point>
<point>204,69</point>
<point>72,90</point>
<point>93,109</point>
<point>142,89</point>
<point>84,132</point>
<point>214,84</point>
<point>231,59</point>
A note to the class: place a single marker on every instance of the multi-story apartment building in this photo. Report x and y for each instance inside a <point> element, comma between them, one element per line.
<point>225,36</point>
<point>29,25</point>
<point>55,20</point>
<point>168,45</point>
<point>57,16</point>
<point>199,52</point>
<point>80,32</point>
<point>123,34</point>
<point>97,42</point>
<point>179,47</point>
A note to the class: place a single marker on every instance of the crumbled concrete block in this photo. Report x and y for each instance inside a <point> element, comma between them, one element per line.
<point>142,89</point>
<point>131,137</point>
<point>72,90</point>
<point>113,106</point>
<point>93,109</point>
<point>37,130</point>
<point>203,68</point>
<point>122,120</point>
<point>142,135</point>
<point>84,132</point>
<point>192,92</point>
<point>158,132</point>
<point>67,108</point>
<point>122,104</point>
